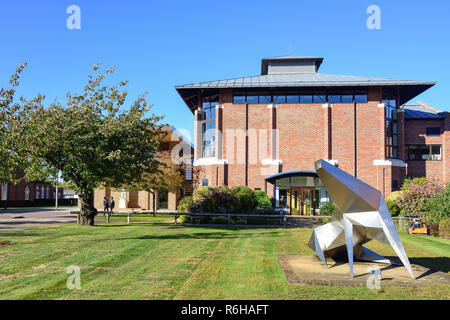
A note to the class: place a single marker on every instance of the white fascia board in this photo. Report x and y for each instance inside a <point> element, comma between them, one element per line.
<point>271,162</point>
<point>333,162</point>
<point>390,162</point>
<point>209,161</point>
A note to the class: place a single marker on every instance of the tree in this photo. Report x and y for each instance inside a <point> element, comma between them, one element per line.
<point>167,176</point>
<point>10,113</point>
<point>93,141</point>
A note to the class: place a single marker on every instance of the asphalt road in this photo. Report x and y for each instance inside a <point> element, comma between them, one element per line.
<point>32,218</point>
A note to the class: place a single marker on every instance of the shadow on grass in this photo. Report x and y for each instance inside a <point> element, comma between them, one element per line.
<point>200,235</point>
<point>435,263</point>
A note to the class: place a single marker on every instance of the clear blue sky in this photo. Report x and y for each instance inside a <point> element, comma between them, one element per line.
<point>159,44</point>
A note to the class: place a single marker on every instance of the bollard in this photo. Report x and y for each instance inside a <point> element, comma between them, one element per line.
<point>128,219</point>
<point>78,218</point>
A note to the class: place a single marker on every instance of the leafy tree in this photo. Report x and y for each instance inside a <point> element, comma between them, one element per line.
<point>11,160</point>
<point>168,175</point>
<point>92,140</point>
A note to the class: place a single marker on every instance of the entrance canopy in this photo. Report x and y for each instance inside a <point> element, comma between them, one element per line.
<point>300,191</point>
<point>288,174</point>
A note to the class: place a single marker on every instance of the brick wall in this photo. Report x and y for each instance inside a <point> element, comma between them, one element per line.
<point>415,133</point>
<point>309,132</point>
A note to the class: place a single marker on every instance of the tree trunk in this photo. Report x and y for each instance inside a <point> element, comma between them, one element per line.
<point>88,211</point>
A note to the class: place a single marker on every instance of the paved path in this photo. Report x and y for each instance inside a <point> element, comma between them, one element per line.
<point>22,219</point>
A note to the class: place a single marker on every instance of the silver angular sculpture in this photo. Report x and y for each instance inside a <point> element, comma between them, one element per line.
<point>362,215</point>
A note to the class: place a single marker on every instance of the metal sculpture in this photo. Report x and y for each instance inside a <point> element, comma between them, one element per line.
<point>362,215</point>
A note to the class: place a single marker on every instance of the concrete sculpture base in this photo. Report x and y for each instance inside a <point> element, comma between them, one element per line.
<point>309,270</point>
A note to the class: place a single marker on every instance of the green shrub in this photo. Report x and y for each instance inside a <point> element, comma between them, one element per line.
<point>184,204</point>
<point>213,200</point>
<point>246,199</point>
<point>240,200</point>
<point>262,199</point>
<point>184,219</point>
<point>392,203</point>
<point>327,209</point>
<point>444,228</point>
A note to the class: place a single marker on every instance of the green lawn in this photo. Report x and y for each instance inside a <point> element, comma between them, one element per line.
<point>156,261</point>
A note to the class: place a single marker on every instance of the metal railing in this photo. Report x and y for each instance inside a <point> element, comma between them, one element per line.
<point>280,218</point>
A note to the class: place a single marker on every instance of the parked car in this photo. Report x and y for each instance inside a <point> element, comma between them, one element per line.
<point>280,210</point>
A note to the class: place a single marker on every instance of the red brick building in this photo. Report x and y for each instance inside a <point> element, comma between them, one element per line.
<point>28,194</point>
<point>267,131</point>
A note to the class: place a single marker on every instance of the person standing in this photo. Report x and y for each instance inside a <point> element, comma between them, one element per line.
<point>105,206</point>
<point>112,203</point>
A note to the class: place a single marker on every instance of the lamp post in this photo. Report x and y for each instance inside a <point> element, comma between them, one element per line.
<point>56,193</point>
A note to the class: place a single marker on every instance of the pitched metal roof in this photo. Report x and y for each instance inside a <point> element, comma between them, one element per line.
<point>273,81</point>
<point>300,80</point>
<point>422,110</point>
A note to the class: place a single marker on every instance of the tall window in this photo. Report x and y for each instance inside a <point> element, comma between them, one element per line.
<point>391,128</point>
<point>27,193</point>
<point>4,192</point>
<point>208,129</point>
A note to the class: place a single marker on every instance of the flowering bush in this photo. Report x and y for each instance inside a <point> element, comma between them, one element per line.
<point>416,194</point>
<point>437,208</point>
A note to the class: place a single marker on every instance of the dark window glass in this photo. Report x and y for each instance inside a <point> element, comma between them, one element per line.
<point>239,99</point>
<point>434,131</point>
<point>395,186</point>
<point>334,99</point>
<point>279,99</point>
<point>347,98</point>
<point>292,99</point>
<point>265,98</point>
<point>361,98</point>
<point>425,152</point>
<point>306,99</point>
<point>253,99</point>
<point>413,153</point>
<point>283,198</point>
<point>436,153</point>
<point>205,182</point>
<point>319,99</point>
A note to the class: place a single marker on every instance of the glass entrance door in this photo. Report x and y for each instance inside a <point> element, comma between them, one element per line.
<point>302,200</point>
